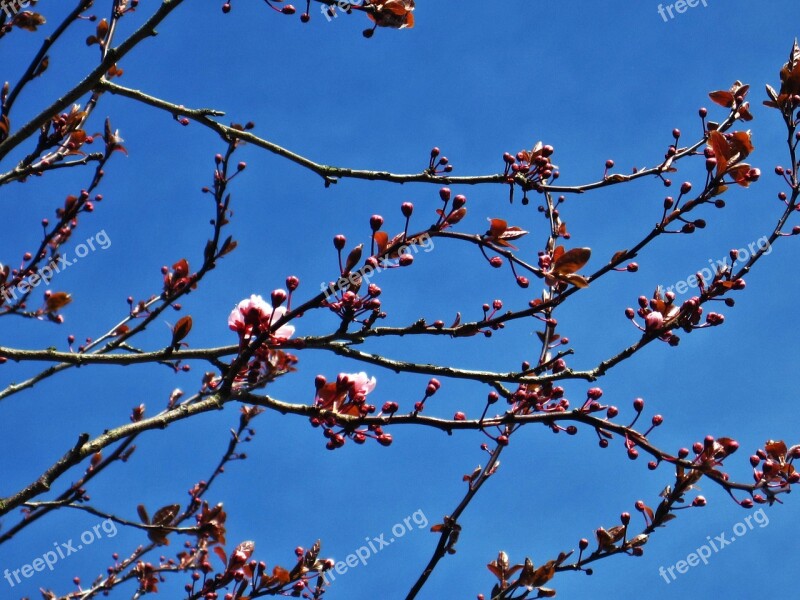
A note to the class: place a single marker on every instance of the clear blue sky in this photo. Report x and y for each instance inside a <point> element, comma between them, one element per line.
<point>595,80</point>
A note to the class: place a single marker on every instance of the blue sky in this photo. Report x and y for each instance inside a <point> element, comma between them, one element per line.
<point>595,80</point>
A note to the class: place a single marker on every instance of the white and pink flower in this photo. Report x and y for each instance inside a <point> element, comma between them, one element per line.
<point>360,384</point>
<point>347,394</point>
<point>255,315</point>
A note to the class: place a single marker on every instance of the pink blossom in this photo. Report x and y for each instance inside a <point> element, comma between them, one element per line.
<point>347,394</point>
<point>254,315</point>
<point>360,384</point>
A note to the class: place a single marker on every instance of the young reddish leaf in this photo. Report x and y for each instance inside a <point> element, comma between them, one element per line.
<point>717,143</point>
<point>512,233</point>
<point>396,14</point>
<point>143,516</point>
<point>163,516</point>
<point>381,241</point>
<point>166,514</point>
<point>455,216</point>
<point>557,253</point>
<point>553,338</point>
<point>775,450</point>
<point>618,256</point>
<point>578,281</point>
<point>101,31</point>
<point>571,261</point>
<point>181,329</point>
<point>57,301</point>
<point>499,232</point>
<point>76,138</point>
<point>668,517</point>
<point>75,116</point>
<point>741,141</point>
<point>496,228</point>
<point>228,246</point>
<point>563,556</point>
<point>220,552</point>
<point>281,575</point>
<point>649,512</point>
<point>720,189</point>
<point>114,71</point>
<point>739,174</point>
<point>28,20</point>
<point>544,574</point>
<point>722,98</point>
<point>353,258</point>
<point>726,98</point>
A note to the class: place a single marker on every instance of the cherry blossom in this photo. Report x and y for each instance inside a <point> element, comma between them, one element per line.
<point>359,383</point>
<point>347,394</point>
<point>254,315</point>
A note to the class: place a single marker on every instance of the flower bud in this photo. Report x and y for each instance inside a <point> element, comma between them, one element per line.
<point>278,297</point>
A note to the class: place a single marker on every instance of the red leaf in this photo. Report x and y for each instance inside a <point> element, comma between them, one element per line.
<point>102,29</point>
<point>219,551</point>
<point>722,98</point>
<point>455,216</point>
<point>381,241</point>
<point>57,301</point>
<point>496,227</point>
<point>618,256</point>
<point>181,329</point>
<point>353,258</point>
<point>166,514</point>
<point>145,518</point>
<point>181,268</point>
<point>571,261</point>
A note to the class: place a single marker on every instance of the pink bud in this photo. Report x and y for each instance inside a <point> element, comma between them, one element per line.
<point>654,320</point>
